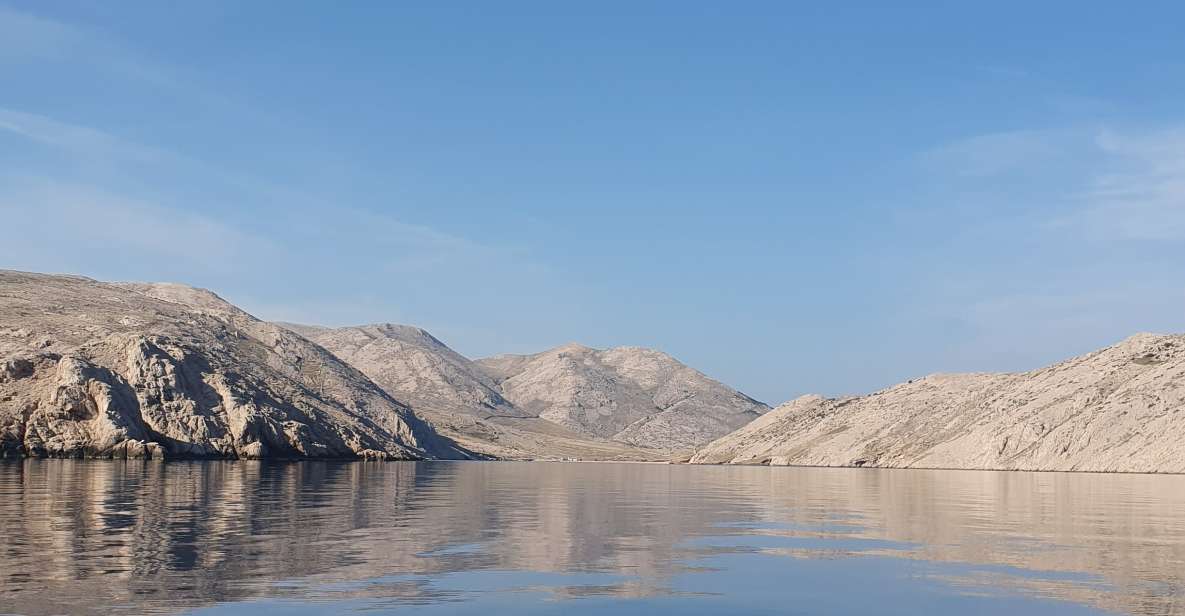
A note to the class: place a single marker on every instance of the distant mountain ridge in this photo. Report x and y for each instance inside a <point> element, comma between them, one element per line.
<point>98,369</point>
<point>629,394</point>
<point>620,403</point>
<point>152,370</point>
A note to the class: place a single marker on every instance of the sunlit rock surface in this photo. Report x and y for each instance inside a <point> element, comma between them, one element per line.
<point>628,394</point>
<point>1120,409</point>
<point>569,402</point>
<point>92,369</point>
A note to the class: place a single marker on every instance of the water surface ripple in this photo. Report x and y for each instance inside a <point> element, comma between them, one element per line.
<point>96,537</point>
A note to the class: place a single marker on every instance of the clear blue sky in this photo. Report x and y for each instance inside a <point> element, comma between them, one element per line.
<point>790,197</point>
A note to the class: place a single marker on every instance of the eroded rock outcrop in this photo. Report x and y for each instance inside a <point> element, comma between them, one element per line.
<point>1120,409</point>
<point>91,369</point>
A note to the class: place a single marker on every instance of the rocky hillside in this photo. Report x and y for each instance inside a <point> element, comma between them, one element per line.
<point>127,370</point>
<point>413,365</point>
<point>460,399</point>
<point>1121,409</point>
<point>627,394</point>
<point>569,402</point>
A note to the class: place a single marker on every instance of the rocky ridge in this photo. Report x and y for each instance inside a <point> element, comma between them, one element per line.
<point>1119,409</point>
<point>457,396</point>
<point>568,402</point>
<point>92,369</point>
<point>632,395</point>
<point>411,363</point>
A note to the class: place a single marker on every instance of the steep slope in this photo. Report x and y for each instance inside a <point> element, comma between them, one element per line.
<point>411,363</point>
<point>158,370</point>
<point>628,394</point>
<point>1119,409</point>
<point>456,395</point>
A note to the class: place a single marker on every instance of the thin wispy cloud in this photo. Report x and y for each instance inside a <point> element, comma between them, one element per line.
<point>1144,198</point>
<point>1065,249</point>
<point>408,246</point>
<point>76,139</point>
<point>25,37</point>
<point>993,154</point>
<point>82,227</point>
<point>88,142</point>
<point>1103,184</point>
<point>147,231</point>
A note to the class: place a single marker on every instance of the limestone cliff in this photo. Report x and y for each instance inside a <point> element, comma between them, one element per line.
<point>125,370</point>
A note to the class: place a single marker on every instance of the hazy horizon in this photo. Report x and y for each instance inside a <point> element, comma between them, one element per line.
<point>789,200</point>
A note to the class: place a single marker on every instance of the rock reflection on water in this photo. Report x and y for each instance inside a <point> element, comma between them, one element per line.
<point>99,536</point>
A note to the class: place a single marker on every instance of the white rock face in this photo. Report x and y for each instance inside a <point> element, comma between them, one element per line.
<point>1120,409</point>
<point>461,400</point>
<point>627,394</point>
<point>157,370</point>
<point>570,402</point>
<point>410,363</point>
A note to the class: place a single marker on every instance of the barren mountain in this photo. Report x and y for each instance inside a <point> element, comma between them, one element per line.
<point>457,395</point>
<point>1119,409</point>
<point>628,394</point>
<point>155,370</point>
<point>625,403</point>
<point>408,360</point>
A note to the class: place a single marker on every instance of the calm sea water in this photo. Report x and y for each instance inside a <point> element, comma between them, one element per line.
<point>224,538</point>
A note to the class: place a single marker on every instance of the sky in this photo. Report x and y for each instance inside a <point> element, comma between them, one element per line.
<point>790,197</point>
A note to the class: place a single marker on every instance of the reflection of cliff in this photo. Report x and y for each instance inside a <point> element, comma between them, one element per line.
<point>85,536</point>
<point>79,534</point>
<point>171,535</point>
<point>1127,530</point>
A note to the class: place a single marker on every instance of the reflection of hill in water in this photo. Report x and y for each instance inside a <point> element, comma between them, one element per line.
<point>1032,528</point>
<point>78,536</point>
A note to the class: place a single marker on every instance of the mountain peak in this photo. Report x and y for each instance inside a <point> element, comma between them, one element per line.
<point>571,347</point>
